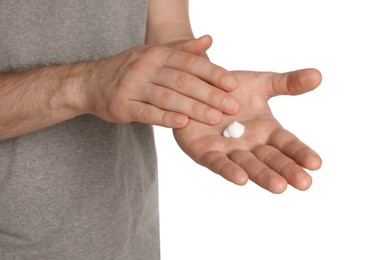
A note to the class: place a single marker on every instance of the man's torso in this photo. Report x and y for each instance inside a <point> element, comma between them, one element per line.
<point>85,188</point>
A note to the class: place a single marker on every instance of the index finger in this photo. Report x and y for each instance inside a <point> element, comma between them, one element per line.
<point>201,68</point>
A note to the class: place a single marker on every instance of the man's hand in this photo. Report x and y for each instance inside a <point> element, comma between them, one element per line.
<point>266,153</point>
<point>161,85</point>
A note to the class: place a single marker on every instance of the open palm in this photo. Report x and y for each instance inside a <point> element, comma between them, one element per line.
<point>266,153</point>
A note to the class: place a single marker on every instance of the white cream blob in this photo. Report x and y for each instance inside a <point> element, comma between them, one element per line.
<point>234,130</point>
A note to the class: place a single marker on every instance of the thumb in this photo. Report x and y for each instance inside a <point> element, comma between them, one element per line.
<point>194,46</point>
<point>295,82</point>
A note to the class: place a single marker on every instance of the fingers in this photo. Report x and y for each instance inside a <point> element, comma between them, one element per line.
<point>219,162</point>
<point>283,165</point>
<point>295,82</point>
<point>201,68</point>
<point>167,99</point>
<point>265,166</point>
<point>199,85</point>
<point>258,172</point>
<point>150,114</point>
<point>292,147</point>
<point>191,86</point>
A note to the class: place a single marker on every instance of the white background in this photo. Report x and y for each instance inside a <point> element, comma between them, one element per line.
<point>203,216</point>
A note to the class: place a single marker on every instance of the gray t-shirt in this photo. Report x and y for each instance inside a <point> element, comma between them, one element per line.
<point>85,188</point>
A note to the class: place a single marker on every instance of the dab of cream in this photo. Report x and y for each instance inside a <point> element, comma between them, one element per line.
<point>234,130</point>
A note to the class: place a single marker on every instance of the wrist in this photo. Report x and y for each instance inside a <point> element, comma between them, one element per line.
<point>71,95</point>
<point>161,37</point>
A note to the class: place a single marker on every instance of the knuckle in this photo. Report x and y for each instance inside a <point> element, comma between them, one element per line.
<point>156,50</point>
<point>125,83</point>
<point>270,155</point>
<point>138,65</point>
<point>146,114</point>
<point>213,72</point>
<point>288,167</point>
<point>195,107</point>
<point>142,59</point>
<point>262,174</point>
<point>181,80</point>
<point>166,96</point>
<point>213,97</point>
<point>189,60</point>
<point>165,119</point>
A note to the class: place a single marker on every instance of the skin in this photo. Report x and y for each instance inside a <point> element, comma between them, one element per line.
<point>158,83</point>
<point>266,153</point>
<point>162,86</point>
<point>170,82</point>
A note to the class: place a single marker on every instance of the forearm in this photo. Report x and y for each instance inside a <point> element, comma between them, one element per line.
<point>168,21</point>
<point>38,98</point>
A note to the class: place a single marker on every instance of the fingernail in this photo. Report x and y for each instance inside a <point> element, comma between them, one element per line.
<point>229,82</point>
<point>230,104</point>
<point>180,120</point>
<point>214,115</point>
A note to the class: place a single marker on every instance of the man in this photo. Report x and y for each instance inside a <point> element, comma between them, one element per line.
<point>78,93</point>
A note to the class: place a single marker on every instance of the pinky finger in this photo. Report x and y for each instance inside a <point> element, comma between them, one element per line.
<point>219,163</point>
<point>149,114</point>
